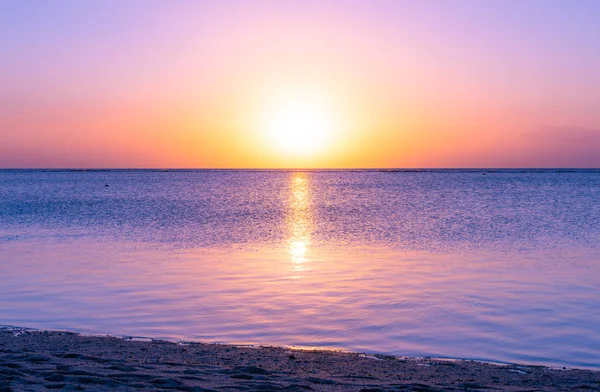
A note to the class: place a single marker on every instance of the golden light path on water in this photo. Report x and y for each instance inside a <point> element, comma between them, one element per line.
<point>299,220</point>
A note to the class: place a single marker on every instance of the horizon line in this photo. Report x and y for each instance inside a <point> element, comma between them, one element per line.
<point>294,169</point>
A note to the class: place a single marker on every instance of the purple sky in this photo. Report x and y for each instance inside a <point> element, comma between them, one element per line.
<point>146,83</point>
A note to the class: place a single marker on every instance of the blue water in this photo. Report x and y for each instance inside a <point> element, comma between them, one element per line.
<point>496,265</point>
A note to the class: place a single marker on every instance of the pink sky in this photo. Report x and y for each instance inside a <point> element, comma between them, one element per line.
<point>410,83</point>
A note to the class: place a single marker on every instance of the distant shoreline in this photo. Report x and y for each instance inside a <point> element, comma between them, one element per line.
<point>38,360</point>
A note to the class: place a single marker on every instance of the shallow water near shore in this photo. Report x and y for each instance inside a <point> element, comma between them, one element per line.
<point>498,266</point>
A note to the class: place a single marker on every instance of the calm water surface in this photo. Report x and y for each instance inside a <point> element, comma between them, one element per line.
<point>500,266</point>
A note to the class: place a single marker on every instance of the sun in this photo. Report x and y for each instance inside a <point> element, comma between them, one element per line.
<point>299,124</point>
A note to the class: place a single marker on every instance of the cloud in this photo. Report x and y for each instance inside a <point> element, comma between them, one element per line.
<point>563,146</point>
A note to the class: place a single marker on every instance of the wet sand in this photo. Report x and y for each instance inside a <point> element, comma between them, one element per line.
<point>42,361</point>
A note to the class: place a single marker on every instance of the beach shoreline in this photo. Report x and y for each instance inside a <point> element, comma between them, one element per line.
<point>32,360</point>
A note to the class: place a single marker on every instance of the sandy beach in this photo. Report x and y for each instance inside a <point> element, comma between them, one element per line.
<point>40,360</point>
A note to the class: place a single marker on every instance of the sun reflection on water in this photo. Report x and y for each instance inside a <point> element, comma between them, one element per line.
<point>299,220</point>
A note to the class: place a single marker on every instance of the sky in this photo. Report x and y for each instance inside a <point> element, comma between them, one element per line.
<point>299,84</point>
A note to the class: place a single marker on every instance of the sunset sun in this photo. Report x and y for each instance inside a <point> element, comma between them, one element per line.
<point>299,124</point>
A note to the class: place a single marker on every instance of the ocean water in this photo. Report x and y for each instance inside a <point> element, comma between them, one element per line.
<point>500,265</point>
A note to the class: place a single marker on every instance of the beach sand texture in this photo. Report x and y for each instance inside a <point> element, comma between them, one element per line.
<point>42,361</point>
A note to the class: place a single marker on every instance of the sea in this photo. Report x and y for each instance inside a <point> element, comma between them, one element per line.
<point>490,265</point>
